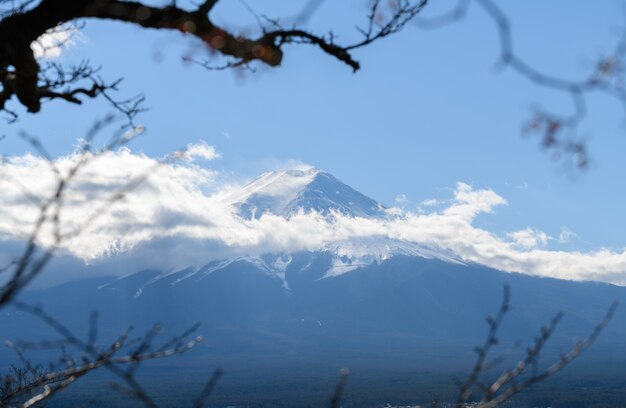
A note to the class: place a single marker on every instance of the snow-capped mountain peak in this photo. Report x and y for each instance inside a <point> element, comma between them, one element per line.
<point>281,186</point>
<point>287,192</point>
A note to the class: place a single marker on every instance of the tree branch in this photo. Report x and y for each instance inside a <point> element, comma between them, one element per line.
<point>21,28</point>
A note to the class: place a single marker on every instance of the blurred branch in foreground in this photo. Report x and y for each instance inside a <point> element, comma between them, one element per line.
<point>528,370</point>
<point>559,133</point>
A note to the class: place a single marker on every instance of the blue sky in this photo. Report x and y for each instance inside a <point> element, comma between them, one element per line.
<point>427,110</point>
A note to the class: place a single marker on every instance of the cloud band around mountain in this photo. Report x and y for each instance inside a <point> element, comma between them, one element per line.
<point>186,205</point>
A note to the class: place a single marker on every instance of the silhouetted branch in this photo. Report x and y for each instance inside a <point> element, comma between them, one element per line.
<point>35,257</point>
<point>122,358</point>
<point>465,388</point>
<point>208,389</point>
<point>30,385</point>
<point>558,132</point>
<point>527,371</point>
<point>531,360</point>
<point>335,399</point>
<point>23,76</point>
<point>451,16</point>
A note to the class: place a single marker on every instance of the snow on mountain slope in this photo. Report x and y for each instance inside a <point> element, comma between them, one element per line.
<point>287,192</point>
<point>274,190</point>
<point>344,256</point>
<point>356,253</point>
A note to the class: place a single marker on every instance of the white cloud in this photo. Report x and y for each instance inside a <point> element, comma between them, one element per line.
<point>427,205</point>
<point>429,202</point>
<point>529,238</point>
<point>50,44</point>
<point>182,214</point>
<point>523,186</point>
<point>200,150</point>
<point>401,199</point>
<point>566,235</point>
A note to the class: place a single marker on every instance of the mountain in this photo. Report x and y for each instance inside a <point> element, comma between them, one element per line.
<point>287,192</point>
<point>376,303</point>
<point>286,304</point>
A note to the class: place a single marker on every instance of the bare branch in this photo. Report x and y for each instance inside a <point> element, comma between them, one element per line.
<point>515,380</point>
<point>208,389</point>
<point>451,16</point>
<point>34,258</point>
<point>206,6</point>
<point>465,388</point>
<point>558,132</point>
<point>123,366</point>
<point>335,400</point>
<point>22,76</point>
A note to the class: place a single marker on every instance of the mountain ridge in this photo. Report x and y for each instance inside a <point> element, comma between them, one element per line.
<point>287,192</point>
